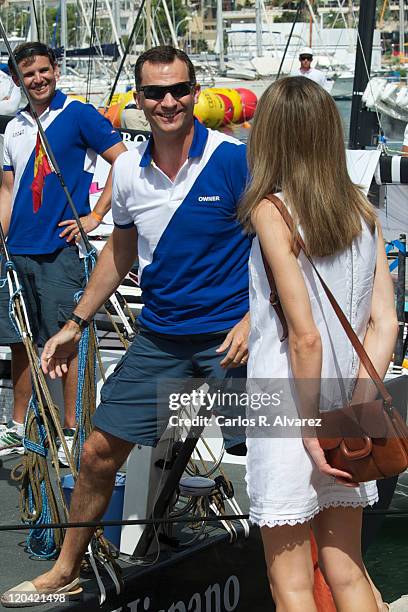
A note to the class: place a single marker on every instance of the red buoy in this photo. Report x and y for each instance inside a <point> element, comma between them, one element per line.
<point>249,102</point>
<point>229,108</point>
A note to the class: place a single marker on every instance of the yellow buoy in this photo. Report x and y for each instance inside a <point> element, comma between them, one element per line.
<point>209,109</point>
<point>235,98</point>
<point>124,99</point>
<point>77,97</point>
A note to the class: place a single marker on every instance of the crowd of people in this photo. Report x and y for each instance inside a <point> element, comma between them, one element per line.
<point>192,204</point>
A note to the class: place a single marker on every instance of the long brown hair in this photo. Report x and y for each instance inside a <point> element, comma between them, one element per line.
<point>296,146</point>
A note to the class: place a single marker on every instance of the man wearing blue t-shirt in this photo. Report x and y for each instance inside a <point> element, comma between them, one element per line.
<point>174,201</point>
<point>37,219</point>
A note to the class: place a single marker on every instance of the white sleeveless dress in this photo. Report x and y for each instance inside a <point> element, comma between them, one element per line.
<point>283,483</point>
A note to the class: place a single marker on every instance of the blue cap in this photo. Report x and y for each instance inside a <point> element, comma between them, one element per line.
<point>4,68</point>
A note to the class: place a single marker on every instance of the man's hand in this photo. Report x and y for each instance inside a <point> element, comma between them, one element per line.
<point>316,452</point>
<point>71,231</point>
<point>237,342</point>
<point>59,349</point>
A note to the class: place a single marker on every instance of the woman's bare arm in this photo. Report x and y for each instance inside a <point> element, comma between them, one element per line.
<point>382,331</point>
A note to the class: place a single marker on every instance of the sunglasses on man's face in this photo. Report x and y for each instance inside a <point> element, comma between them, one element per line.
<point>305,57</point>
<point>158,92</point>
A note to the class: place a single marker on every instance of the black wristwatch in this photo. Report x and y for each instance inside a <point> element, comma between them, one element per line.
<point>82,323</point>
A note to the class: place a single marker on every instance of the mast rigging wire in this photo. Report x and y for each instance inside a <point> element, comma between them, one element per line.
<point>35,19</point>
<point>298,11</point>
<point>159,521</point>
<point>146,521</point>
<point>91,46</point>
<point>125,54</point>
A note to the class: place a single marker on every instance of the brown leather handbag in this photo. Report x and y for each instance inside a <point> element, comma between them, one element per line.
<point>369,440</point>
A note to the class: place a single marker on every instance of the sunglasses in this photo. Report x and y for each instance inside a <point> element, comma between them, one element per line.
<point>305,57</point>
<point>158,92</point>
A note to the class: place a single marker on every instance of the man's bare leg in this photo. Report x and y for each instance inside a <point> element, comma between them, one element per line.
<point>102,456</point>
<point>70,384</point>
<point>21,377</point>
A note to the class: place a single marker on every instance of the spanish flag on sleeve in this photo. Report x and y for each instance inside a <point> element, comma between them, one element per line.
<point>42,167</point>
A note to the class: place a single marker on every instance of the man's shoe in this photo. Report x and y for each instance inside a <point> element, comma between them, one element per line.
<point>10,440</point>
<point>69,439</point>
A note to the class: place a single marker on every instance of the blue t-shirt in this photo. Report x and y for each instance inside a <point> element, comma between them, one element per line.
<point>76,133</point>
<point>193,253</point>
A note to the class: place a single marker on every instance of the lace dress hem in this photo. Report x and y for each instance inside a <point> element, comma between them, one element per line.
<point>256,518</point>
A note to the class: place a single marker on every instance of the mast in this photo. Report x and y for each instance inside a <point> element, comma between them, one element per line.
<point>170,24</point>
<point>220,37</point>
<point>116,17</point>
<point>401,30</point>
<point>115,33</point>
<point>148,24</point>
<point>360,118</point>
<point>258,22</point>
<point>64,41</point>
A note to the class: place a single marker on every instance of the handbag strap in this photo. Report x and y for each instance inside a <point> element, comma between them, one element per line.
<point>351,334</point>
<point>274,295</point>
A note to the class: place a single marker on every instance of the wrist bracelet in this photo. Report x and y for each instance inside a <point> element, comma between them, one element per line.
<point>82,323</point>
<point>97,217</point>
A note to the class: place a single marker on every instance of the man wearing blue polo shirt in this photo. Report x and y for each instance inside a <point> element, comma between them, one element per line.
<point>174,203</point>
<point>36,217</point>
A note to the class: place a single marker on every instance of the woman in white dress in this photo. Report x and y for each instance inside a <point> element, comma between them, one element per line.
<point>296,150</point>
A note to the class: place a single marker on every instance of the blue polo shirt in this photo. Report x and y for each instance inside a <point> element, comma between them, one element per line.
<point>193,253</point>
<point>77,133</point>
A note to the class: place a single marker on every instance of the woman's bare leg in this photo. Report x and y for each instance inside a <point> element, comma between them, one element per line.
<point>338,537</point>
<point>290,568</point>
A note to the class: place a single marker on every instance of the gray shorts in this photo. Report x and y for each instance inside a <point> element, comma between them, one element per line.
<point>133,406</point>
<point>49,284</point>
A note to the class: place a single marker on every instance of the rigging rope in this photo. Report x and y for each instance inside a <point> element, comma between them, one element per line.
<point>37,499</point>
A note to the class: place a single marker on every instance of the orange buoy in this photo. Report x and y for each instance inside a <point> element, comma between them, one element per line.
<point>112,113</point>
<point>117,105</point>
<point>229,109</point>
<point>235,98</point>
<point>210,109</point>
<point>249,102</point>
<point>322,594</point>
